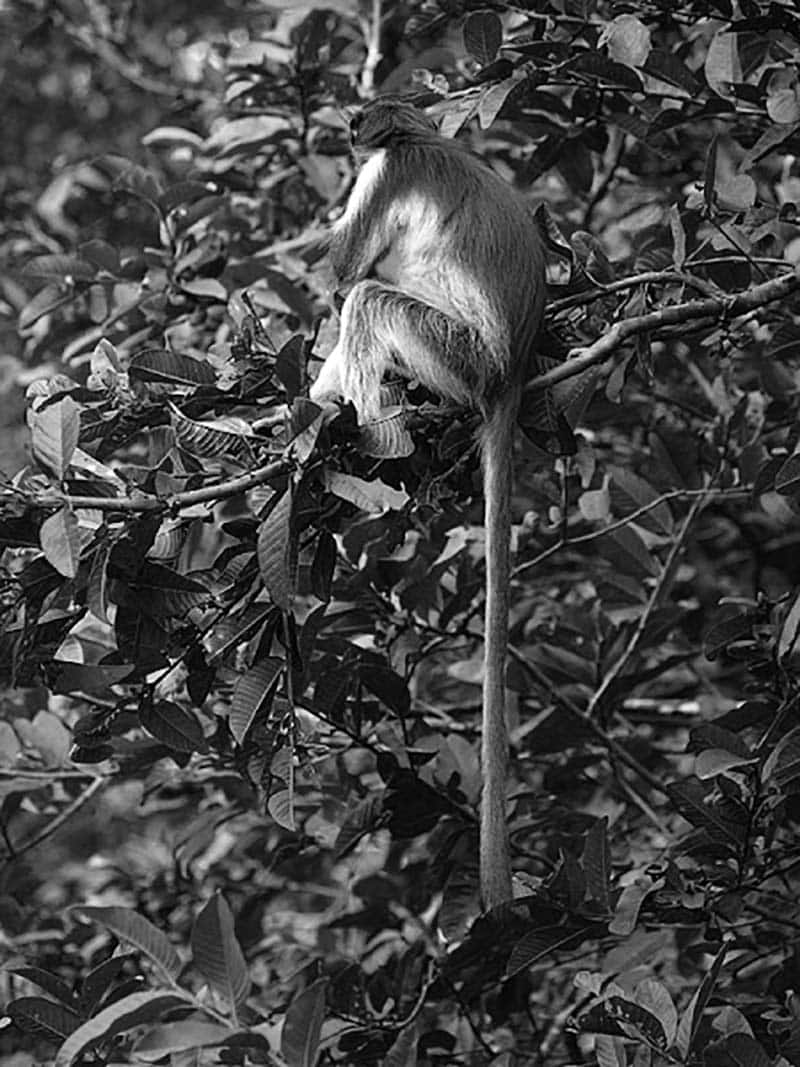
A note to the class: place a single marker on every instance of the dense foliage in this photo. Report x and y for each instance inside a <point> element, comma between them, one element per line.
<point>241,649</point>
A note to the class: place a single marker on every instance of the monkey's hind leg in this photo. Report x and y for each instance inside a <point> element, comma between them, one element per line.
<point>383,327</point>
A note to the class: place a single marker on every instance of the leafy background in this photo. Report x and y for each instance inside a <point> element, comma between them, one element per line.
<point>242,653</point>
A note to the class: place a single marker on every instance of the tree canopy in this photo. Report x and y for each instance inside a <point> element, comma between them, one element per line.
<point>242,649</point>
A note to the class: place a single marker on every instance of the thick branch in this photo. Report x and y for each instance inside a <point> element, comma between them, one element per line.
<point>719,308</point>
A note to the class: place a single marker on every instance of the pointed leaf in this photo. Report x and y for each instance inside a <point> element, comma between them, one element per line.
<point>277,556</point>
<point>171,368</point>
<point>281,807</point>
<point>61,542</point>
<point>124,1014</point>
<point>629,904</point>
<point>596,861</point>
<point>692,1017</point>
<point>175,726</point>
<point>217,954</point>
<point>654,996</point>
<point>252,694</point>
<point>133,928</point>
<point>45,1018</point>
<point>181,1036</point>
<point>54,435</point>
<point>302,1026</point>
<point>50,983</point>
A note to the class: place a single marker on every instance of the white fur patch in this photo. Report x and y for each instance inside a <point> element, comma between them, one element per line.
<point>365,183</point>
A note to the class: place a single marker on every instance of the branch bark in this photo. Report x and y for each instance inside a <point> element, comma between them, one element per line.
<point>719,308</point>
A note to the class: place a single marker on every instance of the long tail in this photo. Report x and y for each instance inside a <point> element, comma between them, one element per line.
<point>495,857</point>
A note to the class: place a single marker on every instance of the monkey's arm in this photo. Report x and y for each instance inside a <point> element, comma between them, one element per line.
<point>367,229</point>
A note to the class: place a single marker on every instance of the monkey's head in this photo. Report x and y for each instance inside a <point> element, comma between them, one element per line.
<point>384,120</point>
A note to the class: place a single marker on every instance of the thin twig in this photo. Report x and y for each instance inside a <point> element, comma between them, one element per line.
<point>602,735</point>
<point>650,277</point>
<point>653,601</point>
<point>372,35</point>
<point>593,535</point>
<point>62,817</point>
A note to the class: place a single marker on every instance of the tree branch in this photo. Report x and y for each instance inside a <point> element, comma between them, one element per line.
<point>208,493</point>
<point>62,817</point>
<point>719,308</point>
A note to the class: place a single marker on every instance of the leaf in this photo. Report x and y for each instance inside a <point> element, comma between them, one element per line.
<point>710,173</point>
<point>744,1051</point>
<point>98,982</point>
<point>59,268</point>
<point>722,67</point>
<point>595,504</point>
<point>783,763</point>
<point>281,807</point>
<point>596,862</point>
<point>63,676</point>
<point>124,1014</point>
<point>403,1050</point>
<point>483,35</point>
<point>61,541</point>
<point>627,39</point>
<point>630,902</point>
<point>210,288</point>
<point>539,943</point>
<point>692,1017</point>
<point>626,550</point>
<point>790,631</point>
<point>170,368</point>
<point>217,954</point>
<point>636,1020</point>
<point>50,983</point>
<point>163,593</point>
<point>714,761</point>
<point>689,799</point>
<point>172,135</point>
<point>374,497</point>
<point>655,997</point>
<point>388,686</point>
<point>323,566</point>
<point>45,1018</point>
<point>42,303</point>
<point>247,134</point>
<point>133,928</point>
<point>302,1025</point>
<point>207,440</point>
<point>54,435</point>
<point>736,192</point>
<point>181,1036</point>
<point>678,237</point>
<point>596,65</point>
<point>769,139</point>
<point>629,492</point>
<point>609,1051</point>
<point>492,99</point>
<point>787,479</point>
<point>252,694</point>
<point>173,725</point>
<point>277,553</point>
<point>669,68</point>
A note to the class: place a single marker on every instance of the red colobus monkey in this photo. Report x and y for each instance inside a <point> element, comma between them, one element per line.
<point>445,269</point>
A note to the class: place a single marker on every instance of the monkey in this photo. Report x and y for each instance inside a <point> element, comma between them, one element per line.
<point>443,265</point>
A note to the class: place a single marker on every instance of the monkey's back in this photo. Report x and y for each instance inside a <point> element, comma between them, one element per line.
<point>466,242</point>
